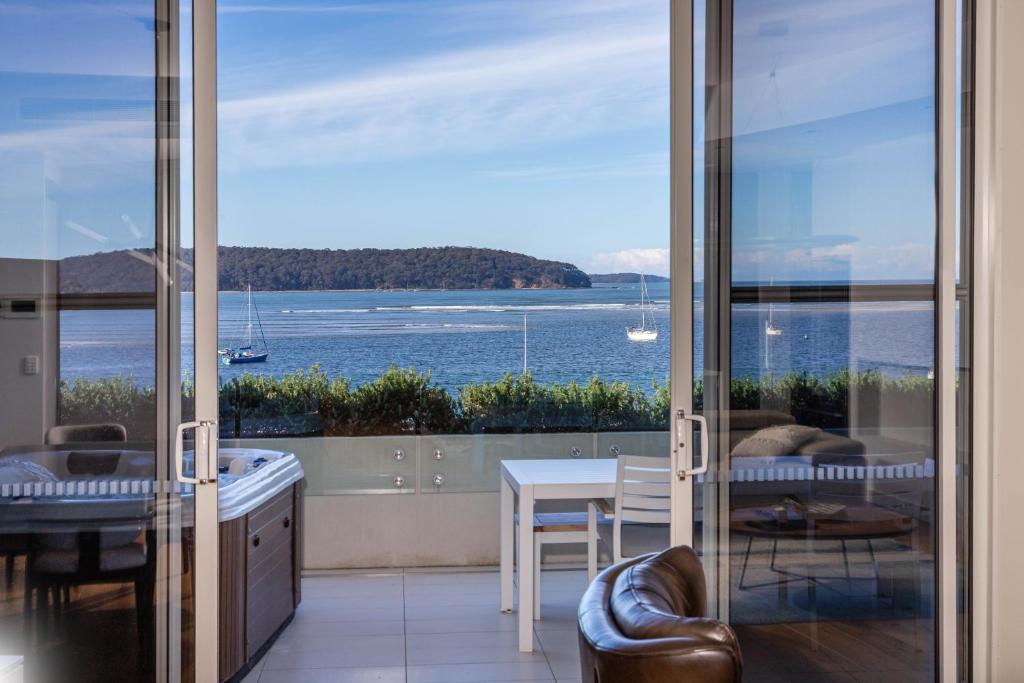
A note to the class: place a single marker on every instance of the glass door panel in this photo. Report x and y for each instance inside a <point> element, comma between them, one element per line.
<point>94,529</point>
<point>818,333</point>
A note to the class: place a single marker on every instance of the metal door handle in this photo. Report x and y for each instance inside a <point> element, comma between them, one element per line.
<point>205,472</point>
<point>683,418</point>
<point>179,452</point>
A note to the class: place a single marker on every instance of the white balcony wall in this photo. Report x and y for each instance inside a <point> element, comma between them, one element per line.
<point>358,515</point>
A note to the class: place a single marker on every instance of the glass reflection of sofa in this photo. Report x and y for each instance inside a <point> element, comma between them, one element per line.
<point>769,448</point>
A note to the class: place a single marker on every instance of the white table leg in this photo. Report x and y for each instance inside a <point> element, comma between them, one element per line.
<point>536,575</point>
<point>591,542</point>
<point>525,568</point>
<point>507,522</point>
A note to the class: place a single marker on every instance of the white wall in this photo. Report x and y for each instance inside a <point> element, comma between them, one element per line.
<point>28,402</point>
<point>1007,480</point>
<point>414,530</point>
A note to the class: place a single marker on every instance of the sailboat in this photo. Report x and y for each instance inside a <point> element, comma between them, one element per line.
<point>246,353</point>
<point>769,326</point>
<point>643,333</point>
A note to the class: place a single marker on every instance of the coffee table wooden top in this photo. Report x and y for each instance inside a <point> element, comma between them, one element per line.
<point>852,522</point>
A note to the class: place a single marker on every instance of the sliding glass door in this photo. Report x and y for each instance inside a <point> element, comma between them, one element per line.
<point>821,329</point>
<point>97,532</point>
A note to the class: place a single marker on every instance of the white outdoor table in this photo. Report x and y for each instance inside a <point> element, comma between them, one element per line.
<point>533,480</point>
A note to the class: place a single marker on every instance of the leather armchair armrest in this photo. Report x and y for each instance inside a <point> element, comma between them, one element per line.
<point>702,633</point>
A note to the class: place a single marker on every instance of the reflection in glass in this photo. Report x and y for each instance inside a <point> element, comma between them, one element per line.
<point>826,300</point>
<point>79,405</point>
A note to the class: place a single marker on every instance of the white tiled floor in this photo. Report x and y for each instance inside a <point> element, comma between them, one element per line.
<point>422,627</point>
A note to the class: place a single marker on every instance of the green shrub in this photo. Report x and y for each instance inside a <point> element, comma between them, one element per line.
<point>508,405</point>
<point>518,404</point>
<point>404,401</point>
<point>117,399</point>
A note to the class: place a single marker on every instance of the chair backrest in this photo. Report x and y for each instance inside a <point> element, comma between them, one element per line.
<point>642,494</point>
<point>65,434</point>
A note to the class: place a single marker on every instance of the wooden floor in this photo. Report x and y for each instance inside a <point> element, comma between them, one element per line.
<point>863,652</point>
<point>95,639</point>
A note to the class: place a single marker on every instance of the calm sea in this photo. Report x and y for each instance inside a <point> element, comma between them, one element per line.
<point>469,336</point>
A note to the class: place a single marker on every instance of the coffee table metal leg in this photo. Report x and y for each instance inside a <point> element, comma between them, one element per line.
<point>812,593</point>
<point>746,559</point>
<point>846,566</point>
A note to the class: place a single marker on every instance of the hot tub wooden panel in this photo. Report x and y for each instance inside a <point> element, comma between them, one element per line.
<point>260,564</point>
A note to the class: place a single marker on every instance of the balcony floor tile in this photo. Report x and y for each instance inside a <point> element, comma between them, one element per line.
<point>417,626</point>
<point>341,675</point>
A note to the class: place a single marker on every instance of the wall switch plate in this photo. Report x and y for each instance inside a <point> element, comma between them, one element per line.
<point>30,365</point>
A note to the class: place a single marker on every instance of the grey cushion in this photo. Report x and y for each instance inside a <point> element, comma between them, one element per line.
<point>126,557</point>
<point>775,441</point>
<point>63,434</point>
<point>56,562</point>
<point>833,449</point>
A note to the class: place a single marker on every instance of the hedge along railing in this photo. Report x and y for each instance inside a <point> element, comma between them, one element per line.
<point>405,401</point>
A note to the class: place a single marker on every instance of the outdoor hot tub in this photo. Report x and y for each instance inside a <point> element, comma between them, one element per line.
<point>85,500</point>
<point>69,482</point>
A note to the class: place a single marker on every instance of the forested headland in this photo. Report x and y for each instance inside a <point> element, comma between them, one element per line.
<point>271,269</point>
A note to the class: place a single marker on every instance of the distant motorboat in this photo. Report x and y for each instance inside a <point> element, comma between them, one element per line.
<point>246,353</point>
<point>644,333</point>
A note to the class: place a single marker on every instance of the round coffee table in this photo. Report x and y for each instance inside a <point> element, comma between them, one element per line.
<point>860,522</point>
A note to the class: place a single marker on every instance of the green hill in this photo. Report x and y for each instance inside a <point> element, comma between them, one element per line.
<point>320,269</point>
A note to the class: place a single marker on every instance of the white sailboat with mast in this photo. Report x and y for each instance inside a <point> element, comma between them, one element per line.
<point>769,325</point>
<point>648,329</point>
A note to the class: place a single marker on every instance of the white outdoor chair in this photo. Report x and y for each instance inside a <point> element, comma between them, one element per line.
<point>556,527</point>
<point>642,506</point>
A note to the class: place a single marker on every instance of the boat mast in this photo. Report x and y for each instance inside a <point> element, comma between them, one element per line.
<point>248,325</point>
<point>643,309</point>
<point>524,344</point>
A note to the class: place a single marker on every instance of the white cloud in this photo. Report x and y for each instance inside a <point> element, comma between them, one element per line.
<point>853,261</point>
<point>654,261</point>
<point>560,86</point>
<point>638,166</point>
<point>299,8</point>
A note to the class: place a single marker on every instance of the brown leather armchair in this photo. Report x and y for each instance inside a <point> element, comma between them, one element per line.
<point>642,621</point>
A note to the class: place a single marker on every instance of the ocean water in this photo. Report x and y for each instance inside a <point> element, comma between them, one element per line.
<point>469,336</point>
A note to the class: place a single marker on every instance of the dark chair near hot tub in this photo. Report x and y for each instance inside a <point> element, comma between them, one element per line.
<point>100,553</point>
<point>87,461</point>
<point>88,433</point>
<point>642,621</point>
<point>117,553</point>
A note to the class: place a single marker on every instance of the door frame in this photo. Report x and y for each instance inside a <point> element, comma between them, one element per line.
<point>681,258</point>
<point>169,520</point>
<point>173,508</point>
<point>204,102</point>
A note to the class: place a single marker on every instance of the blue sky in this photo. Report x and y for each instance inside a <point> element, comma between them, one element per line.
<point>534,126</point>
